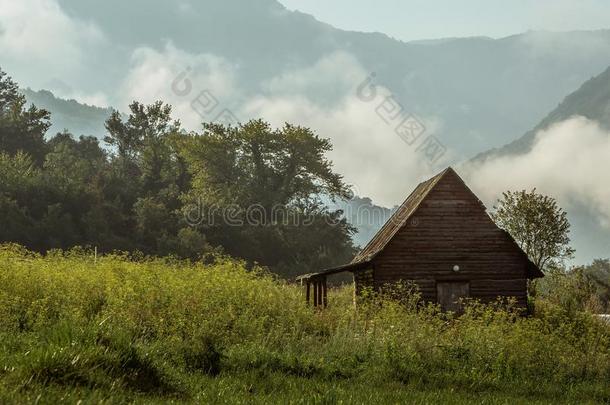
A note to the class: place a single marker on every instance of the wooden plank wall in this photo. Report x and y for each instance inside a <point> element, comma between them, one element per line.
<point>451,227</point>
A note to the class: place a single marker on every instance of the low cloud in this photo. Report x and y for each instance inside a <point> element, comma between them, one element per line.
<point>40,44</point>
<point>330,78</point>
<point>178,78</point>
<point>569,161</point>
<point>366,150</point>
<point>323,97</point>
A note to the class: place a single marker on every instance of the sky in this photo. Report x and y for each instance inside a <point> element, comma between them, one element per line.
<point>426,19</point>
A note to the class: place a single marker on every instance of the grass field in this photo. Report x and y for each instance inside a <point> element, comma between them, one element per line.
<point>123,330</point>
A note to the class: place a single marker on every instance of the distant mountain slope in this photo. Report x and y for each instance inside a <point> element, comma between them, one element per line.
<point>590,236</point>
<point>367,217</point>
<point>474,93</point>
<point>591,100</point>
<point>76,118</point>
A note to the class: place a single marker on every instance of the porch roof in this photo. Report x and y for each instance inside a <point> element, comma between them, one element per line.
<point>335,270</point>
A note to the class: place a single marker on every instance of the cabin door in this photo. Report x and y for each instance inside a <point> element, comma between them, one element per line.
<point>449,294</point>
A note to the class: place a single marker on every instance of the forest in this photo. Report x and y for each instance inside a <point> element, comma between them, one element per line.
<point>155,188</point>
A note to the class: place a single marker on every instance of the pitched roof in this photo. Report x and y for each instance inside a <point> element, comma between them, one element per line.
<point>400,217</point>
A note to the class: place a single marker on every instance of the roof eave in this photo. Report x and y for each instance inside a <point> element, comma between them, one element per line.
<point>335,270</point>
<point>533,271</point>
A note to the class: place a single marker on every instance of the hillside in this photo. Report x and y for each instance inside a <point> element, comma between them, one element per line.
<point>591,100</point>
<point>448,83</point>
<point>76,118</point>
<point>367,217</point>
<point>590,232</point>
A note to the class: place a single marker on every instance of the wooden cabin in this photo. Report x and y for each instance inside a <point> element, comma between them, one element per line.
<point>443,240</point>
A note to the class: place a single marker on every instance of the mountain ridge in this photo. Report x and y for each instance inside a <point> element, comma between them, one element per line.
<point>69,114</point>
<point>591,100</point>
<point>446,82</point>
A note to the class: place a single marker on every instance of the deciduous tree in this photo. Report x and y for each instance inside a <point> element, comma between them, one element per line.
<point>538,224</point>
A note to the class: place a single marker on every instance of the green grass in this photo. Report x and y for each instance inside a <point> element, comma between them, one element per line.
<point>120,330</point>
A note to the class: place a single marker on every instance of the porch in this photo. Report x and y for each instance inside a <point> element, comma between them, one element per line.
<point>316,284</point>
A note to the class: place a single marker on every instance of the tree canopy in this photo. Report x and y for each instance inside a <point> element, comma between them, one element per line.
<point>139,190</point>
<point>269,182</point>
<point>21,128</point>
<point>538,224</point>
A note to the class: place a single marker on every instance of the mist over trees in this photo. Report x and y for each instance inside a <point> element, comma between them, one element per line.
<point>140,191</point>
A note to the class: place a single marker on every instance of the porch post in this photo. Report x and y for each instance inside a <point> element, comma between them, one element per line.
<point>324,292</point>
<point>320,287</point>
